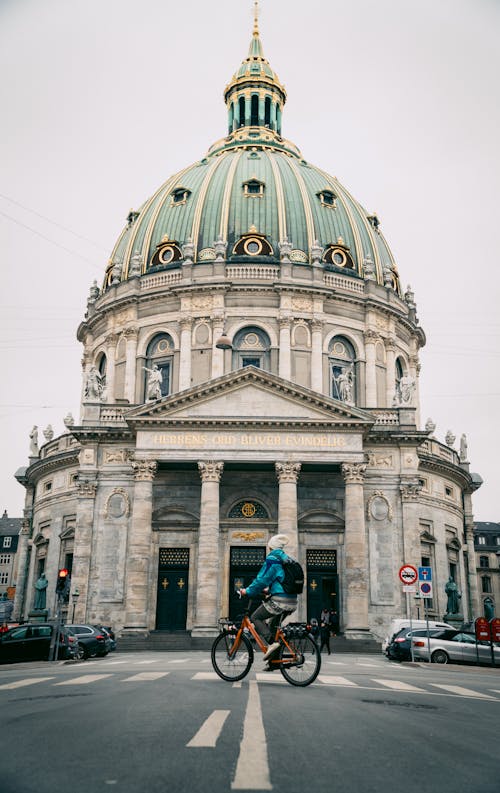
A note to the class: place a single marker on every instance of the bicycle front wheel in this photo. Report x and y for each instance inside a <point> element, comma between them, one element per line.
<point>303,667</point>
<point>229,664</point>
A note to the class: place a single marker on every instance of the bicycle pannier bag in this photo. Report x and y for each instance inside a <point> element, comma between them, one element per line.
<point>293,582</point>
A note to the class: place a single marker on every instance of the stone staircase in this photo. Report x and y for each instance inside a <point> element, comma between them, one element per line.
<point>182,641</point>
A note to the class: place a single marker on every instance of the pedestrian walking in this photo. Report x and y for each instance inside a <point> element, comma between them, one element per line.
<point>325,637</point>
<point>315,630</point>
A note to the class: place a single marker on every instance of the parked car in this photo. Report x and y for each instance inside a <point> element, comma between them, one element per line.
<point>31,642</point>
<point>454,646</point>
<point>92,638</point>
<point>400,647</point>
<point>404,622</point>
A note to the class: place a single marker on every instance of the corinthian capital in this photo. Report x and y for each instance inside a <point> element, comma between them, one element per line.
<point>144,470</point>
<point>86,489</point>
<point>370,336</point>
<point>185,321</point>
<point>210,471</point>
<point>287,472</point>
<point>410,491</point>
<point>353,473</point>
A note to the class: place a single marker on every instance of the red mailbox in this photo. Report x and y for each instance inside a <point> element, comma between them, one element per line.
<point>495,629</point>
<point>483,633</point>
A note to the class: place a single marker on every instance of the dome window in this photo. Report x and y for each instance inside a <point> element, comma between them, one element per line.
<point>253,244</point>
<point>339,255</point>
<point>327,198</point>
<point>253,188</point>
<point>179,196</point>
<point>251,347</point>
<point>167,252</point>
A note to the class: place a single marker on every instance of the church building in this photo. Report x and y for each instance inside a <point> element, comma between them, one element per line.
<point>250,366</point>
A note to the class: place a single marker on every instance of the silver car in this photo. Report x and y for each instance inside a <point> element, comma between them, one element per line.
<point>454,646</point>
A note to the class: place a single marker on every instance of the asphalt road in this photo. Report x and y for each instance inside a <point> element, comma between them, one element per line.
<point>165,722</point>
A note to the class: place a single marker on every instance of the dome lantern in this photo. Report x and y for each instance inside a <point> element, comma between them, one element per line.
<point>254,96</point>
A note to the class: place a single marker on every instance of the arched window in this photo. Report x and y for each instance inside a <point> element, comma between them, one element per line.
<point>101,368</point>
<point>267,111</point>
<point>241,104</point>
<point>159,357</point>
<point>486,583</point>
<point>251,347</point>
<point>254,111</point>
<point>343,374</point>
<point>400,373</point>
<point>231,117</point>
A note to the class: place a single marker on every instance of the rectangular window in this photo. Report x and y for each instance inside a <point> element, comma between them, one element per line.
<point>4,578</point>
<point>47,487</point>
<point>250,361</point>
<point>7,542</point>
<point>5,558</point>
<point>481,540</point>
<point>486,583</point>
<point>484,561</point>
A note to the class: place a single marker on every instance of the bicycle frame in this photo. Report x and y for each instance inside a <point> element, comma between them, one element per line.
<point>279,637</point>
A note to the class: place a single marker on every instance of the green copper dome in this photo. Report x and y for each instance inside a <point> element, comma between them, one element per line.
<point>253,182</point>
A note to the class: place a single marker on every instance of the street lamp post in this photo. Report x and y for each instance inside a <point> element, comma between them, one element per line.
<point>74,597</point>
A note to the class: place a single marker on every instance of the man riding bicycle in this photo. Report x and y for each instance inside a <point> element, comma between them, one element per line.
<point>269,579</point>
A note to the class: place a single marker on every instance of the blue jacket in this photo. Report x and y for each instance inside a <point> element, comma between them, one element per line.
<point>270,575</point>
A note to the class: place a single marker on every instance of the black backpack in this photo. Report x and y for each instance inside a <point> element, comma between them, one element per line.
<point>293,582</point>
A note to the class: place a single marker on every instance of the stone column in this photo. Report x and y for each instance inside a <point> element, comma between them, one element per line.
<point>217,355</point>
<point>131,335</point>
<point>410,492</point>
<point>288,474</point>
<point>415,373</point>
<point>285,360</point>
<point>83,545</point>
<point>390,371</point>
<point>473,600</point>
<point>111,341</point>
<point>371,338</point>
<point>317,356</point>
<point>185,353</point>
<point>21,606</point>
<point>208,573</point>
<point>137,584</point>
<point>356,552</point>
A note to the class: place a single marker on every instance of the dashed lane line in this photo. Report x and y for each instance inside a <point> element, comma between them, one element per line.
<point>252,768</point>
<point>210,730</point>
<point>27,682</point>
<point>81,681</point>
<point>145,676</point>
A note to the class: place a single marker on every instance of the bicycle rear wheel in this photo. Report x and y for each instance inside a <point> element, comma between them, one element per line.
<point>304,669</point>
<point>231,666</point>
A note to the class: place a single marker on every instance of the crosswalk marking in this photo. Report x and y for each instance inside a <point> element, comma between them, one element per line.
<point>398,685</point>
<point>28,682</point>
<point>332,680</point>
<point>336,663</point>
<point>150,661</point>
<point>266,677</point>
<point>206,676</point>
<point>145,676</point>
<point>210,730</point>
<point>179,661</point>
<point>81,681</point>
<point>114,663</point>
<point>463,692</point>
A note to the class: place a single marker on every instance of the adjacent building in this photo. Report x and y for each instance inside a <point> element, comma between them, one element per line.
<point>250,365</point>
<point>9,535</point>
<point>487,547</point>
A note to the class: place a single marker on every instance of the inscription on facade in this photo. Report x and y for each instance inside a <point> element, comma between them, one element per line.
<point>245,440</point>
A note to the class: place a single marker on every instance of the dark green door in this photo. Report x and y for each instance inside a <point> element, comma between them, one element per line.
<point>245,564</point>
<point>173,573</point>
<point>322,583</point>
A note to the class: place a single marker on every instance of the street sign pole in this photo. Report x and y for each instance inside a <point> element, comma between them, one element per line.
<point>408,608</point>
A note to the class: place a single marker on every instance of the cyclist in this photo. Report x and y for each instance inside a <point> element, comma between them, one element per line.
<point>267,616</point>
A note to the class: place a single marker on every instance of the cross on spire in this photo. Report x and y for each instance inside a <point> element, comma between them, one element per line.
<point>256,12</point>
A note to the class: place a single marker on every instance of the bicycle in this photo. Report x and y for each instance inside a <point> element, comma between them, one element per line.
<point>299,660</point>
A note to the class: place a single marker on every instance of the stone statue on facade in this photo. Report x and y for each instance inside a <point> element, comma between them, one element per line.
<point>93,385</point>
<point>220,247</point>
<point>34,442</point>
<point>449,438</point>
<point>285,247</point>
<point>153,387</point>
<point>369,268</point>
<point>41,593</point>
<point>116,273</point>
<point>463,449</point>
<point>316,252</point>
<point>430,426</point>
<point>188,251</point>
<point>404,392</point>
<point>454,597</point>
<point>135,265</point>
<point>345,385</point>
<point>48,433</point>
<point>388,275</point>
<point>69,421</point>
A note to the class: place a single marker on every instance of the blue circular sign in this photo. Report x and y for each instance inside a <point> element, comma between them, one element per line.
<point>425,588</point>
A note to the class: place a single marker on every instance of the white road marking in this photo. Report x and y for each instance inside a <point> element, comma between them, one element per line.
<point>398,685</point>
<point>28,682</point>
<point>146,676</point>
<point>331,680</point>
<point>237,684</point>
<point>371,665</point>
<point>114,663</point>
<point>495,690</point>
<point>252,768</point>
<point>270,677</point>
<point>180,661</point>
<point>81,681</point>
<point>206,676</point>
<point>151,661</point>
<point>210,730</point>
<point>336,663</point>
<point>463,692</point>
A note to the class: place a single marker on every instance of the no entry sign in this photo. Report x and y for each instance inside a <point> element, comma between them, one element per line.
<point>408,574</point>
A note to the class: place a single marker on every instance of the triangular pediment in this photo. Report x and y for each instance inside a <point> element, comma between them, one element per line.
<point>249,394</point>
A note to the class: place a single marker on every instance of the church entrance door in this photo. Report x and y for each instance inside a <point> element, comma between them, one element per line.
<point>173,574</point>
<point>244,565</point>
<point>322,585</point>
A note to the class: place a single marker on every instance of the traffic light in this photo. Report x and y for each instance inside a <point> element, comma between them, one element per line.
<point>62,585</point>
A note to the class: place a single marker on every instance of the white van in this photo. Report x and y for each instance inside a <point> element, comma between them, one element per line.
<point>397,624</point>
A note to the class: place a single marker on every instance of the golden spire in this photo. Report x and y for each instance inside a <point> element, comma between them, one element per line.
<point>256,18</point>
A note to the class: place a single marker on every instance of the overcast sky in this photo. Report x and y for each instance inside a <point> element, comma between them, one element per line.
<point>102,100</point>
